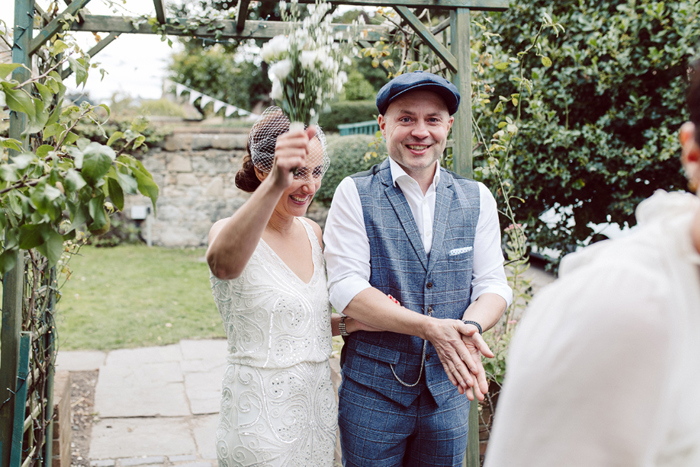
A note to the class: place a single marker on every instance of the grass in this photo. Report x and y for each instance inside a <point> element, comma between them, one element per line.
<point>135,296</point>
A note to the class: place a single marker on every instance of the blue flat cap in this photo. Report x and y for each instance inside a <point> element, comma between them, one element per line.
<point>414,81</point>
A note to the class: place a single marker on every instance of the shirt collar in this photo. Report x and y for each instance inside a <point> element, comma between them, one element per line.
<point>397,172</point>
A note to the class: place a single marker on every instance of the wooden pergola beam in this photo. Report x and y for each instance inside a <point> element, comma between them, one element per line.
<point>481,5</point>
<point>241,14</point>
<point>55,25</point>
<point>425,34</point>
<point>81,18</point>
<point>160,11</point>
<point>227,28</point>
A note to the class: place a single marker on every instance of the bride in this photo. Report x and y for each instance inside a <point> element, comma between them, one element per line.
<point>278,405</point>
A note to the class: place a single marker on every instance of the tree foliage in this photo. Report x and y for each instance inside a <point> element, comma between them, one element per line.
<point>601,104</point>
<point>55,185</point>
<point>217,72</point>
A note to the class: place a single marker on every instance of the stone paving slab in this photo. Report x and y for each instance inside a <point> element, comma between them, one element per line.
<point>204,390</point>
<point>141,391</point>
<point>204,428</point>
<point>203,349</point>
<point>166,353</point>
<point>114,438</point>
<point>80,360</point>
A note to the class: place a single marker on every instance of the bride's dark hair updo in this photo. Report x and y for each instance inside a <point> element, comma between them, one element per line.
<point>262,140</point>
<point>246,178</point>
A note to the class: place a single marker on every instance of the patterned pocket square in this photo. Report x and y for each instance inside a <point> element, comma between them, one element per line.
<point>459,251</point>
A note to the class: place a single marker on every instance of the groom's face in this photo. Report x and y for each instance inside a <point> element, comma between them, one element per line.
<point>415,127</point>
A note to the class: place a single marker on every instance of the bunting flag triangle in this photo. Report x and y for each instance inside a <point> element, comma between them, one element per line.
<point>205,100</point>
<point>194,95</point>
<point>218,105</point>
<point>179,88</point>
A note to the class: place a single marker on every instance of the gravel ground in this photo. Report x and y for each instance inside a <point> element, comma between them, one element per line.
<point>82,403</point>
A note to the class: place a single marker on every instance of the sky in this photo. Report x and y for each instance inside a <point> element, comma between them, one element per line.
<point>136,64</point>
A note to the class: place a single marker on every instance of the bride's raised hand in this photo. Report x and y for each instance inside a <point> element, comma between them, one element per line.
<point>290,153</point>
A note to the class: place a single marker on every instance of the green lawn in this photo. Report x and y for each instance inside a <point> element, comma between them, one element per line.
<point>135,296</point>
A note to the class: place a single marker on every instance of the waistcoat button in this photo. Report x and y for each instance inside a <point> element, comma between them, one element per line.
<point>429,285</point>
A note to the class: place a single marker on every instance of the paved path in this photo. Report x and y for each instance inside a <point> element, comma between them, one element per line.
<point>155,405</point>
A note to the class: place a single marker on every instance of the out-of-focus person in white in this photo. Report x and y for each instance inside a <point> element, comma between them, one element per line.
<point>604,369</point>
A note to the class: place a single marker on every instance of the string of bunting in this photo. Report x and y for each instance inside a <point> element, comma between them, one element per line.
<point>194,95</point>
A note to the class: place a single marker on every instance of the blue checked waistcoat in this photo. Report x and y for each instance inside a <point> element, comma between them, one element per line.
<point>439,283</point>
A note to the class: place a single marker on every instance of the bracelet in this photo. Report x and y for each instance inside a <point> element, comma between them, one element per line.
<point>478,326</point>
<point>341,327</point>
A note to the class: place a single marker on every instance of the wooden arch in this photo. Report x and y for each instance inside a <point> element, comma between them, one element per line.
<point>455,56</point>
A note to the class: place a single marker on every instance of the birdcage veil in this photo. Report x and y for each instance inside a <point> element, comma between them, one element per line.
<point>263,139</point>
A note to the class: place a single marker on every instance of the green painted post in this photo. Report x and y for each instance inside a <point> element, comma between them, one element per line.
<point>13,282</point>
<point>20,402</point>
<point>460,23</point>
<point>462,128</point>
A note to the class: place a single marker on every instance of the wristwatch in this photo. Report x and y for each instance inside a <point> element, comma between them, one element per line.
<point>341,327</point>
<point>478,326</point>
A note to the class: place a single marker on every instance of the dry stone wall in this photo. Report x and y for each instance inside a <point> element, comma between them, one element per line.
<point>195,171</point>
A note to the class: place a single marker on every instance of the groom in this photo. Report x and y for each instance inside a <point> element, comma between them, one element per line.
<point>431,239</point>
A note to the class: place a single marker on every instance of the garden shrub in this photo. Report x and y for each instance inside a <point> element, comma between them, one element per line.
<point>347,154</point>
<point>348,112</point>
<point>598,134</point>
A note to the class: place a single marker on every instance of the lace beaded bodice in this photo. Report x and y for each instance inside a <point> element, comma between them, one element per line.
<point>271,317</point>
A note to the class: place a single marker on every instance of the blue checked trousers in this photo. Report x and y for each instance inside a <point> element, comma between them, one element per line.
<point>378,432</point>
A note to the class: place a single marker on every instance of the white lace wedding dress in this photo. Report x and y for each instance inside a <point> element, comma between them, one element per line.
<point>278,405</point>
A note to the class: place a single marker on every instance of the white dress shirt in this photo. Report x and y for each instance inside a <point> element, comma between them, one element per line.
<point>603,369</point>
<point>347,248</point>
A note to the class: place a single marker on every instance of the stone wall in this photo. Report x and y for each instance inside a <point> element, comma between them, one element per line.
<point>195,172</point>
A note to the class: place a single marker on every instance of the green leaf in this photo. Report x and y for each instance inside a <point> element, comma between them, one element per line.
<point>127,182</point>
<point>8,260</point>
<point>53,130</point>
<point>73,180</point>
<point>23,160</point>
<point>58,47</point>
<point>11,143</point>
<point>95,166</point>
<point>501,66</point>
<point>38,120</point>
<point>115,136</point>
<point>115,193</point>
<point>7,68</point>
<point>139,141</point>
<point>97,212</point>
<point>44,150</point>
<point>52,248</point>
<point>546,61</point>
<point>147,186</point>
<point>71,138</point>
<point>78,67</point>
<point>45,92</point>
<point>18,100</point>
<point>30,235</point>
<point>8,172</point>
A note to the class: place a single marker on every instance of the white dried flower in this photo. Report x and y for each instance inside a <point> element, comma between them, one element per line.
<point>281,69</point>
<point>307,58</point>
<point>275,48</point>
<point>276,92</point>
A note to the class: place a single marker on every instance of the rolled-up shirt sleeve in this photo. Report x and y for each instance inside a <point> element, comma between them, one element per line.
<point>346,246</point>
<point>488,275</point>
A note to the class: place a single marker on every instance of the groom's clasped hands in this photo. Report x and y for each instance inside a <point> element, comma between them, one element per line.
<point>460,347</point>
